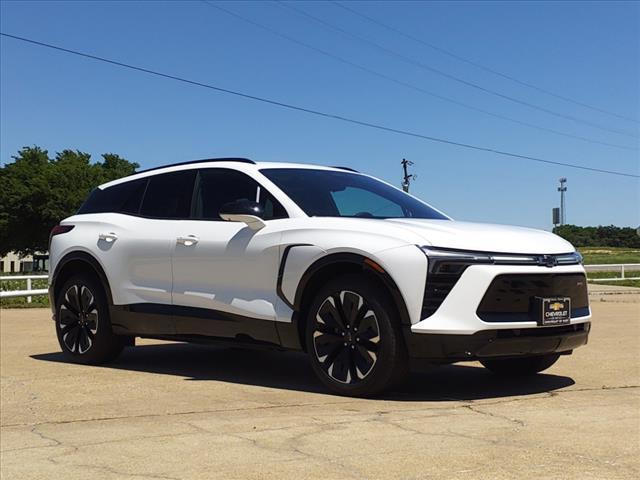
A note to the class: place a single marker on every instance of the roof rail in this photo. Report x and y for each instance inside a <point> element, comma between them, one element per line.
<point>346,168</point>
<point>190,162</point>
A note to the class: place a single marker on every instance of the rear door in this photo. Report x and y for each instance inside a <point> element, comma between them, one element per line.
<point>135,243</point>
<point>134,251</point>
<point>225,277</point>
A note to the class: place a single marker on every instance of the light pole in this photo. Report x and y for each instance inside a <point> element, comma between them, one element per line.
<point>562,188</point>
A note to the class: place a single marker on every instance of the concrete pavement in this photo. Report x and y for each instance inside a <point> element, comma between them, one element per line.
<point>177,411</point>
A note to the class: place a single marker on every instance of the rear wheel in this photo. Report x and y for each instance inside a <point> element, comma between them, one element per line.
<point>83,326</point>
<point>353,339</point>
<point>520,366</point>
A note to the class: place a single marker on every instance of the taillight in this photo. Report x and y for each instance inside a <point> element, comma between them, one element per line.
<point>58,230</point>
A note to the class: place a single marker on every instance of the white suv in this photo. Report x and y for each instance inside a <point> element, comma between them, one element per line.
<point>357,273</point>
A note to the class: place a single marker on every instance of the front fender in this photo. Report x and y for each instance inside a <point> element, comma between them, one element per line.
<point>405,270</point>
<point>407,266</point>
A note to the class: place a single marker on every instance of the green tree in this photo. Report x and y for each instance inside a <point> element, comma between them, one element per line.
<point>37,191</point>
<point>601,236</point>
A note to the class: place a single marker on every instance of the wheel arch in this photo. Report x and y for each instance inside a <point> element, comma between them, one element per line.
<point>73,263</point>
<point>335,264</point>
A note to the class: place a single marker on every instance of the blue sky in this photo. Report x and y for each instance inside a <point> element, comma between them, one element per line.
<point>587,51</point>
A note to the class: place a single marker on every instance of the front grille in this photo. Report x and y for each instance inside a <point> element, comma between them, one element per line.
<point>510,297</point>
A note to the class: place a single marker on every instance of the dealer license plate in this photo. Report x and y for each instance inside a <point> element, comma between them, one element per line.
<point>554,311</point>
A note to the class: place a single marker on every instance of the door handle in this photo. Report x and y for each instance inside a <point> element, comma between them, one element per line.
<point>188,241</point>
<point>108,237</point>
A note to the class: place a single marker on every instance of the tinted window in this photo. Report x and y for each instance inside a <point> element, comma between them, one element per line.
<point>217,186</point>
<point>132,203</point>
<point>169,195</point>
<point>328,193</point>
<point>352,201</point>
<point>122,198</point>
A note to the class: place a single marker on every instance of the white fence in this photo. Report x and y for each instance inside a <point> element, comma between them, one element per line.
<point>29,292</point>
<point>613,267</point>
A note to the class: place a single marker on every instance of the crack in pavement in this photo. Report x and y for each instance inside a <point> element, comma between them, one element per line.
<point>292,444</point>
<point>120,473</point>
<point>447,434</point>
<point>344,402</point>
<point>42,436</point>
<point>170,414</point>
<point>296,444</point>
<point>71,449</point>
<point>508,443</point>
<point>475,409</point>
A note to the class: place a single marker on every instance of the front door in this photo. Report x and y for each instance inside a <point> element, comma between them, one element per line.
<point>224,273</point>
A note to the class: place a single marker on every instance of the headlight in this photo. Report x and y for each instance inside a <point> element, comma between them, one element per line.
<point>455,261</point>
<point>570,258</point>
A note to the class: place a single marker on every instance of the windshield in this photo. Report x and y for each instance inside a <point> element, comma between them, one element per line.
<point>328,193</point>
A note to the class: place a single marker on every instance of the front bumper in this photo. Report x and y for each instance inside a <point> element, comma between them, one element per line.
<point>457,315</point>
<point>497,343</point>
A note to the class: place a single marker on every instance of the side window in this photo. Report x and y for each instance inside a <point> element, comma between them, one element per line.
<point>132,203</point>
<point>122,198</point>
<point>169,195</point>
<point>217,186</point>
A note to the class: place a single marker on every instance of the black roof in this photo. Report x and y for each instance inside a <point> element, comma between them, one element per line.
<point>190,162</point>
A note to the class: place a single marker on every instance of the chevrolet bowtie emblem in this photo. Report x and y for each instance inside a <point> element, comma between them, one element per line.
<point>556,306</point>
<point>547,261</point>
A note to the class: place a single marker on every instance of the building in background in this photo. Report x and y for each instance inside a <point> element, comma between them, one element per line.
<point>13,263</point>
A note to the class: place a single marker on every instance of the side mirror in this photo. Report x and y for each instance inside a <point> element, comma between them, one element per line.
<point>245,211</point>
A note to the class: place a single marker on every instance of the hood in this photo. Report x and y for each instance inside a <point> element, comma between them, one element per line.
<point>484,237</point>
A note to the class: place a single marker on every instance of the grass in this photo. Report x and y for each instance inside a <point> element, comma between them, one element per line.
<point>37,301</point>
<point>632,273</point>
<point>621,283</point>
<point>606,255</point>
<point>601,255</point>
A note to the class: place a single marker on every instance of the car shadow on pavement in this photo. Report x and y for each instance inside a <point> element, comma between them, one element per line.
<point>292,371</point>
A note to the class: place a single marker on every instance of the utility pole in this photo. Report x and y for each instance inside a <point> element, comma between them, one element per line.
<point>406,177</point>
<point>562,188</point>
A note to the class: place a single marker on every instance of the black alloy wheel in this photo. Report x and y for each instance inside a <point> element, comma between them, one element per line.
<point>346,337</point>
<point>78,319</point>
<point>83,325</point>
<point>353,337</point>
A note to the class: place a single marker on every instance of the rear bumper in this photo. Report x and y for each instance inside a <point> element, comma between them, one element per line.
<point>52,301</point>
<point>496,343</point>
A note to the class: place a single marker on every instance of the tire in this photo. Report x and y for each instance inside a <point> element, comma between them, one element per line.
<point>353,338</point>
<point>82,322</point>
<point>520,366</point>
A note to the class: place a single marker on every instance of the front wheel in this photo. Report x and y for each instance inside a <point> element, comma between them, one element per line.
<point>520,366</point>
<point>354,339</point>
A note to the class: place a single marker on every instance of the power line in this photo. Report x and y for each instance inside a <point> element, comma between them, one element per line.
<point>468,83</point>
<point>480,66</point>
<point>409,85</point>
<point>476,86</point>
<point>311,111</point>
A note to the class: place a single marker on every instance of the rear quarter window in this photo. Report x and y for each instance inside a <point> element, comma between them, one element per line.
<point>122,198</point>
